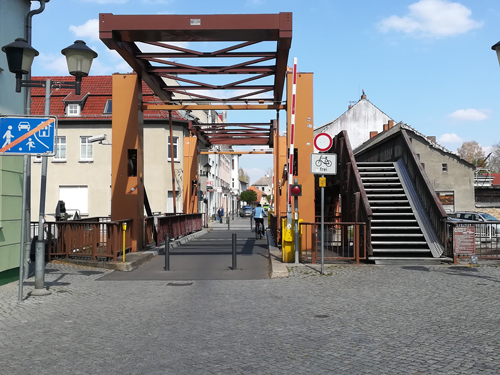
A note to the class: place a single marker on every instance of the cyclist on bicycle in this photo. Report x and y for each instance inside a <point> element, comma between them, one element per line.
<point>258,215</point>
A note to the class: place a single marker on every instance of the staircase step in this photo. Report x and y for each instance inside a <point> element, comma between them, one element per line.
<point>422,243</point>
<point>398,235</point>
<point>400,208</point>
<point>406,214</point>
<point>395,228</point>
<point>374,163</point>
<point>384,185</point>
<point>386,195</point>
<point>384,190</point>
<point>374,178</point>
<point>401,250</point>
<point>386,201</point>
<point>378,173</point>
<point>377,221</point>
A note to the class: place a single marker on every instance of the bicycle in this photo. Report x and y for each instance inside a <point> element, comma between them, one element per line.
<point>323,160</point>
<point>259,232</point>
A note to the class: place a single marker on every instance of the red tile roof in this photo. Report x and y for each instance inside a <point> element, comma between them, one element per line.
<point>259,193</point>
<point>496,178</point>
<point>98,90</point>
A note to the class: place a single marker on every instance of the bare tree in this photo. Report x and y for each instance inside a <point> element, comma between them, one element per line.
<point>472,152</point>
<point>243,176</point>
<point>494,160</point>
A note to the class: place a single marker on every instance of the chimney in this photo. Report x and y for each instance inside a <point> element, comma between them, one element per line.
<point>391,123</point>
<point>373,134</point>
<point>432,138</point>
<point>350,106</point>
<point>363,96</point>
<point>386,127</point>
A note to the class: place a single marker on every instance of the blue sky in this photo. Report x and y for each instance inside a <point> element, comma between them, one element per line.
<point>427,63</point>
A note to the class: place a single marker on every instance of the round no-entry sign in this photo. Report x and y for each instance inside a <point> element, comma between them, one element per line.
<point>323,142</point>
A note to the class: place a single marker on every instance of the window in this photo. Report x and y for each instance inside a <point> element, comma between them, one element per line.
<point>76,198</point>
<point>85,149</point>
<point>176,141</point>
<point>73,110</point>
<point>444,167</point>
<point>60,149</point>
<point>108,107</point>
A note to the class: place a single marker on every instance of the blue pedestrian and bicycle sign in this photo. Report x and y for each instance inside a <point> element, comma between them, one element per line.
<point>27,135</point>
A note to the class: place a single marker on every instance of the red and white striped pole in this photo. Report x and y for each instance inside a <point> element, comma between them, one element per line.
<point>292,135</point>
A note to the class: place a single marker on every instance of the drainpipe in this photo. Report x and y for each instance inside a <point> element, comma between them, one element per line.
<point>27,213</point>
<point>28,38</point>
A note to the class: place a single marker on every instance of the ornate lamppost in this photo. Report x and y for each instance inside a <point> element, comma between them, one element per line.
<point>20,55</point>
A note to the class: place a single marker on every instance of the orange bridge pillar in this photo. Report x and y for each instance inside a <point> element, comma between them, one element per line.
<point>127,162</point>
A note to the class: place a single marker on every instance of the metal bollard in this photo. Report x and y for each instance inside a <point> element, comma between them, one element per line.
<point>234,251</point>
<point>228,223</point>
<point>167,252</point>
<point>251,223</point>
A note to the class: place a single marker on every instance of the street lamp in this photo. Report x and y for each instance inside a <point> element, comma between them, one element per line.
<point>496,47</point>
<point>20,56</point>
<point>206,169</point>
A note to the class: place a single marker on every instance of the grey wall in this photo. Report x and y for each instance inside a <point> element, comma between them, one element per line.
<point>12,25</point>
<point>459,178</point>
<point>359,121</point>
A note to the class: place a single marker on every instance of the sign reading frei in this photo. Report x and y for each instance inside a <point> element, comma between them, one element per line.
<point>324,163</point>
<point>27,135</point>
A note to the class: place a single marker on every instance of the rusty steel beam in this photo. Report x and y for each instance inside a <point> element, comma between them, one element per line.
<point>157,107</point>
<point>123,33</point>
<point>200,28</point>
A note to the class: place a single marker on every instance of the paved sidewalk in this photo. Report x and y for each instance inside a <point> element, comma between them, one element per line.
<point>353,320</point>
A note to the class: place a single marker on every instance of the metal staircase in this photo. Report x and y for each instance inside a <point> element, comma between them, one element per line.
<point>399,233</point>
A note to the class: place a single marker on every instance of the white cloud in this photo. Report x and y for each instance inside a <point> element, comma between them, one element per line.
<point>432,18</point>
<point>450,138</point>
<point>89,29</point>
<point>470,114</point>
<point>55,64</point>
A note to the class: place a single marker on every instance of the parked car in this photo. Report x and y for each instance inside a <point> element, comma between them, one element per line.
<point>246,211</point>
<point>487,231</point>
<point>473,216</point>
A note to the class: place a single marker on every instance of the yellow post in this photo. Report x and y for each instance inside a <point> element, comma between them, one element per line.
<point>124,229</point>
<point>287,246</point>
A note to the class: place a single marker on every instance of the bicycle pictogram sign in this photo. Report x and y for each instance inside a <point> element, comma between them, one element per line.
<point>323,163</point>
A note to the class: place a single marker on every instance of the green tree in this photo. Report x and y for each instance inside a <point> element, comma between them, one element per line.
<point>248,196</point>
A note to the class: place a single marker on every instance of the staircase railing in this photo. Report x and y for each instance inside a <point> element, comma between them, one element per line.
<point>355,205</point>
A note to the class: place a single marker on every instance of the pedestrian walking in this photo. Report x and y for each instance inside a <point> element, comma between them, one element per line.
<point>220,213</point>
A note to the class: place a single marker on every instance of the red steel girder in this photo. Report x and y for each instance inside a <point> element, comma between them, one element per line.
<point>121,32</point>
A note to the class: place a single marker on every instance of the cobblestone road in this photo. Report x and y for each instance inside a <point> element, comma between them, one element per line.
<point>355,320</point>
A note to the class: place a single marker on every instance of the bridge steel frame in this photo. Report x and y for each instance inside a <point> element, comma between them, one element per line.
<point>128,34</point>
